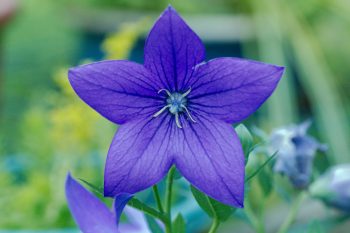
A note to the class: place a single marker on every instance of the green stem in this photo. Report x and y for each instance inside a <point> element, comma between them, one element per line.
<point>157,197</point>
<point>169,190</point>
<point>292,213</point>
<point>168,196</point>
<point>254,220</point>
<point>137,204</point>
<point>216,221</point>
<point>214,225</point>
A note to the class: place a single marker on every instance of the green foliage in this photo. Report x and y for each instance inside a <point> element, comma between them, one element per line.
<point>57,133</point>
<point>159,5</point>
<point>137,204</point>
<point>261,167</point>
<point>246,139</point>
<point>179,224</point>
<point>48,131</point>
<point>38,41</point>
<point>153,225</point>
<point>266,180</point>
<point>98,190</point>
<point>212,207</point>
<point>300,37</point>
<point>177,175</point>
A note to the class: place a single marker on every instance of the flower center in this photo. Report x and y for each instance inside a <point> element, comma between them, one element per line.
<point>176,103</point>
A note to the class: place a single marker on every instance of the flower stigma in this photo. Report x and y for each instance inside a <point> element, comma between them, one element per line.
<point>176,103</point>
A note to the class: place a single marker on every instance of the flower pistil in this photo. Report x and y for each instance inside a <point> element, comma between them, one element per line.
<point>176,103</point>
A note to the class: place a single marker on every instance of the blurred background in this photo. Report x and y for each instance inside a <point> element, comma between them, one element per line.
<point>45,130</point>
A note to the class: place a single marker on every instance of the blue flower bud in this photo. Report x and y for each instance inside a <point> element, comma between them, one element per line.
<point>295,152</point>
<point>334,187</point>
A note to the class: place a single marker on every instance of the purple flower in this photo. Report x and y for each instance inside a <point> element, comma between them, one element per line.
<point>176,109</point>
<point>295,152</point>
<point>93,216</point>
<point>333,187</point>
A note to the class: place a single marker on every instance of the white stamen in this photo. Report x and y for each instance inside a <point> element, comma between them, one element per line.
<point>188,113</point>
<point>186,93</point>
<point>162,110</point>
<point>167,92</point>
<point>177,120</point>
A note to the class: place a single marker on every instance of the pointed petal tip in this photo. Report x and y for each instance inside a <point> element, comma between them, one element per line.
<point>120,202</point>
<point>240,205</point>
<point>69,180</point>
<point>71,185</point>
<point>280,69</point>
<point>106,192</point>
<point>170,8</point>
<point>238,201</point>
<point>72,73</point>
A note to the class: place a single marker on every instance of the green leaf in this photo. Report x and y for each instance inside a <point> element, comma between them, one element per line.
<point>96,189</point>
<point>265,181</point>
<point>153,225</point>
<point>261,167</point>
<point>202,201</point>
<point>212,207</point>
<point>179,224</point>
<point>246,139</point>
<point>177,175</point>
<point>137,204</point>
<point>316,227</point>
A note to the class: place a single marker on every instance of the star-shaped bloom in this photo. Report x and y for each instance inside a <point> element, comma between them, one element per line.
<point>296,152</point>
<point>93,216</point>
<point>176,109</point>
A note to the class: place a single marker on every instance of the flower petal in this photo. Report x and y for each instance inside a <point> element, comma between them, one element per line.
<point>172,50</point>
<point>89,212</point>
<point>139,155</point>
<point>231,89</point>
<point>120,202</point>
<point>210,156</point>
<point>118,90</point>
<point>137,222</point>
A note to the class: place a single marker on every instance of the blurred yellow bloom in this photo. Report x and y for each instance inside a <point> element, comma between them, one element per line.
<point>59,135</point>
<point>119,45</point>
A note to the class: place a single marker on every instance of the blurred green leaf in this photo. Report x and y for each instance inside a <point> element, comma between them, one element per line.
<point>282,105</point>
<point>261,167</point>
<point>212,207</point>
<point>177,174</point>
<point>265,180</point>
<point>246,139</point>
<point>179,225</point>
<point>153,225</point>
<point>319,83</point>
<point>96,189</point>
<point>316,227</point>
<point>137,204</point>
<point>319,225</point>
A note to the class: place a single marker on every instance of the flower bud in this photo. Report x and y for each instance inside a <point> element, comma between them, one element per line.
<point>334,187</point>
<point>295,152</point>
